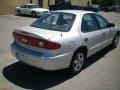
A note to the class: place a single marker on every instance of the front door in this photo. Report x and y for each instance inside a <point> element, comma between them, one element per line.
<point>106,32</point>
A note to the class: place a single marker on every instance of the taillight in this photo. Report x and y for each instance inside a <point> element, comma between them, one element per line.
<point>52,45</point>
<point>36,42</point>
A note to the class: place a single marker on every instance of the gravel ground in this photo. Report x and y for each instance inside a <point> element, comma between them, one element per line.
<point>101,72</point>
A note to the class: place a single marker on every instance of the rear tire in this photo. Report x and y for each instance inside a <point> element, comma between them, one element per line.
<point>77,62</point>
<point>34,14</point>
<point>115,41</point>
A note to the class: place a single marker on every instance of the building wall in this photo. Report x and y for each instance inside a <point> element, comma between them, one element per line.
<point>8,6</point>
<point>45,3</point>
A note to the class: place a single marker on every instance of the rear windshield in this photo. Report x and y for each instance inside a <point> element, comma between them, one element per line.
<point>57,21</point>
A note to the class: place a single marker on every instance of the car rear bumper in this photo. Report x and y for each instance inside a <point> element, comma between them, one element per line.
<point>37,59</point>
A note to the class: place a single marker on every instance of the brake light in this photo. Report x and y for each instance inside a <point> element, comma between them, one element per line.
<point>52,45</point>
<point>36,42</point>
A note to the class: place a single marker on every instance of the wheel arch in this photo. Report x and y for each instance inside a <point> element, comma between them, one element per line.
<point>81,48</point>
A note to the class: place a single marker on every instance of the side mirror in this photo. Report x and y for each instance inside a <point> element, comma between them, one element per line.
<point>111,25</point>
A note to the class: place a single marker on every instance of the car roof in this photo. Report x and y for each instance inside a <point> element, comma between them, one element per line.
<point>75,11</point>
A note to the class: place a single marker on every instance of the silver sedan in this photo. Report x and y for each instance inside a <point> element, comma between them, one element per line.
<point>30,9</point>
<point>63,39</point>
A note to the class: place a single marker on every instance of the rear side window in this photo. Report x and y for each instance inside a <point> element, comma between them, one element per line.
<point>89,23</point>
<point>102,21</point>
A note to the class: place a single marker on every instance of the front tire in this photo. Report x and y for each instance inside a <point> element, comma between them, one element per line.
<point>77,62</point>
<point>34,14</point>
<point>115,41</point>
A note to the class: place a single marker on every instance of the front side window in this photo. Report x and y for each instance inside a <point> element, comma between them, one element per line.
<point>102,21</point>
<point>89,23</point>
<point>57,21</point>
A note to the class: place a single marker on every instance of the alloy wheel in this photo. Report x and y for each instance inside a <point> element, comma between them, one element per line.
<point>78,62</point>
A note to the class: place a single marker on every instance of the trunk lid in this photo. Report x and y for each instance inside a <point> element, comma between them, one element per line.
<point>37,32</point>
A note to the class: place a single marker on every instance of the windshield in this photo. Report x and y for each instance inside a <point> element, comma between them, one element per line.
<point>33,6</point>
<point>57,21</point>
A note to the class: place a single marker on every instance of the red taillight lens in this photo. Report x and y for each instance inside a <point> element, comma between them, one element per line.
<point>26,39</point>
<point>36,42</point>
<point>52,45</point>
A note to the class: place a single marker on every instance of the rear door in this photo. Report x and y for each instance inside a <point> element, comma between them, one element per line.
<point>91,34</point>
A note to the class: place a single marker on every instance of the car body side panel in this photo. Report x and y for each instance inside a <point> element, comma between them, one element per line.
<point>114,31</point>
<point>106,34</point>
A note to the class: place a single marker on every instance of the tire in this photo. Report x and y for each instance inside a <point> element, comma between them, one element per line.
<point>34,14</point>
<point>115,41</point>
<point>18,12</point>
<point>77,62</point>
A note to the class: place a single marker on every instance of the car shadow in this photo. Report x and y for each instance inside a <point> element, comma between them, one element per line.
<point>31,78</point>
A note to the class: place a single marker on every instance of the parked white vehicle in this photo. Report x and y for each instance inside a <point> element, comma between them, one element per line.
<point>63,39</point>
<point>31,9</point>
